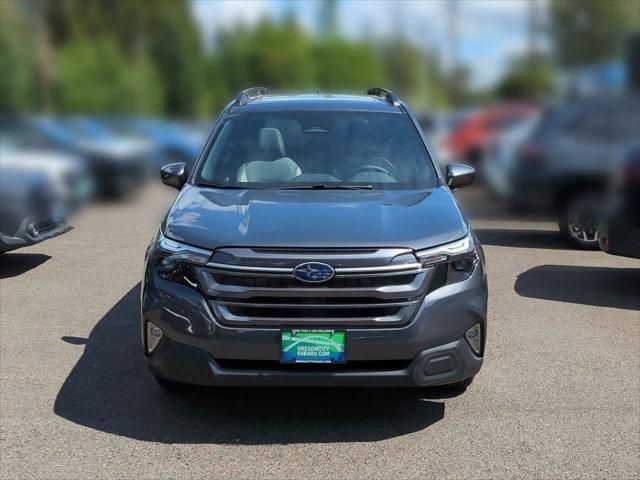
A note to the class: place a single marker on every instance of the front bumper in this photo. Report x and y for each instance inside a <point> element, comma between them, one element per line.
<point>445,364</point>
<point>23,238</point>
<point>429,350</point>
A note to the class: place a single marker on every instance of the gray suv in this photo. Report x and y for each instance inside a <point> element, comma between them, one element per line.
<point>315,243</point>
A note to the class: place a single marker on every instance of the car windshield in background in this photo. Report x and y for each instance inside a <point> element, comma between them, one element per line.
<point>317,149</point>
<point>17,135</point>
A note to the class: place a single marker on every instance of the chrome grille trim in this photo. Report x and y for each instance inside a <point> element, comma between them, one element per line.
<point>372,287</point>
<point>404,269</point>
<point>248,269</point>
<point>414,289</point>
<point>223,312</point>
<point>316,305</point>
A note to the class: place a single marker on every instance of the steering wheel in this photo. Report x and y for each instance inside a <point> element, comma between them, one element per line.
<point>391,171</point>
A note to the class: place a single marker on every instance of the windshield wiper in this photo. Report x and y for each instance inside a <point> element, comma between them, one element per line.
<point>220,185</point>
<point>322,186</point>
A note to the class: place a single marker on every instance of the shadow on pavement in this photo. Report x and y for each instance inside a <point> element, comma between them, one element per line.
<point>499,237</point>
<point>15,264</point>
<point>110,390</point>
<point>597,286</point>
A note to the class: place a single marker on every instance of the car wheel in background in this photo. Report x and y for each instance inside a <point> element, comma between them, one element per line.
<point>579,220</point>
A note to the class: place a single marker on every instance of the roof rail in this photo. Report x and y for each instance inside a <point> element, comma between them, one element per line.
<point>387,95</point>
<point>246,95</point>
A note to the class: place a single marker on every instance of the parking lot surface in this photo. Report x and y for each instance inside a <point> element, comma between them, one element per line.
<point>558,396</point>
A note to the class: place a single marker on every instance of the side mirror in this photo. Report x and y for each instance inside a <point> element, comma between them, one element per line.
<point>175,174</point>
<point>460,175</point>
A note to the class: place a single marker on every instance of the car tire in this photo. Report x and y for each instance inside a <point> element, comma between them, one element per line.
<point>578,221</point>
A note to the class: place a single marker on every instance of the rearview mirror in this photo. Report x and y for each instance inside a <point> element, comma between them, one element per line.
<point>175,174</point>
<point>460,175</point>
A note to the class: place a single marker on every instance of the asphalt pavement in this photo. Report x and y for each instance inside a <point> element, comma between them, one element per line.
<point>558,396</point>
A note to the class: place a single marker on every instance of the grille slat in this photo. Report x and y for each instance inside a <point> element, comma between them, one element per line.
<point>383,288</point>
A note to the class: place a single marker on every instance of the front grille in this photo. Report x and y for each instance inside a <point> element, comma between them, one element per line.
<point>371,287</point>
<point>290,282</point>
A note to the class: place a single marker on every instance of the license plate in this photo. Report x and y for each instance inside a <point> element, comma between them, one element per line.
<point>313,346</point>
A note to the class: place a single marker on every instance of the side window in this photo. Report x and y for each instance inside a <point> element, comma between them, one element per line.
<point>590,124</point>
<point>213,158</point>
<point>625,123</point>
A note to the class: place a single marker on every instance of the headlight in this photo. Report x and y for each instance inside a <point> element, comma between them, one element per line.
<point>175,261</point>
<point>454,261</point>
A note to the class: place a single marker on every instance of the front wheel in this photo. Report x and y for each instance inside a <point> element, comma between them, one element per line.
<point>579,220</point>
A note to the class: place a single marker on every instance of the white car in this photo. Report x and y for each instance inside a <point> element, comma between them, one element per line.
<point>68,174</point>
<point>503,154</point>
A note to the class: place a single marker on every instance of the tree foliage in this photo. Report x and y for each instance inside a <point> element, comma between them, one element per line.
<point>528,78</point>
<point>588,31</point>
<point>16,62</point>
<point>344,64</point>
<point>280,56</point>
<point>148,57</point>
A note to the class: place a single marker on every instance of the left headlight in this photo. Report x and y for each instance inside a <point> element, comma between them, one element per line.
<point>175,261</point>
<point>455,261</point>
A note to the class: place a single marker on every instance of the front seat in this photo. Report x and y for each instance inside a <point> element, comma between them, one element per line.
<point>276,168</point>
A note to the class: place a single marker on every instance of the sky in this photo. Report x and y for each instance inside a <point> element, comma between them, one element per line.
<point>490,32</point>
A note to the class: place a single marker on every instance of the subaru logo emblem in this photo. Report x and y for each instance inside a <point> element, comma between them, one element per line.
<point>313,272</point>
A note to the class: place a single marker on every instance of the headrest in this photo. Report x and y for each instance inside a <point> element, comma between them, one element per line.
<point>291,130</point>
<point>271,143</point>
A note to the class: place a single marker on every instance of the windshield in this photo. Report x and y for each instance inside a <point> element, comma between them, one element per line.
<point>17,134</point>
<point>328,149</point>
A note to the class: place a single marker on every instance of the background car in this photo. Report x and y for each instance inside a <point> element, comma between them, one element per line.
<point>502,155</point>
<point>563,166</point>
<point>30,208</point>
<point>24,149</point>
<point>171,141</point>
<point>469,141</point>
<point>116,168</point>
<point>620,221</point>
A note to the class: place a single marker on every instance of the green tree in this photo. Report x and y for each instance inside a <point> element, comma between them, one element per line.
<point>404,66</point>
<point>15,67</point>
<point>280,56</point>
<point>233,57</point>
<point>590,31</point>
<point>94,77</point>
<point>344,64</point>
<point>527,79</point>
<point>164,31</point>
<point>434,88</point>
<point>18,57</point>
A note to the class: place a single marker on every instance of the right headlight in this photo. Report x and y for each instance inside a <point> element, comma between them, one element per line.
<point>454,261</point>
<point>175,261</point>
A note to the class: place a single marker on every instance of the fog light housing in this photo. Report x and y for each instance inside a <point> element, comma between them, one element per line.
<point>474,338</point>
<point>33,230</point>
<point>154,335</point>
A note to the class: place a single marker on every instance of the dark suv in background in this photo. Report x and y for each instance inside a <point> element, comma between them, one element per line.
<point>564,165</point>
<point>620,220</point>
<point>315,243</point>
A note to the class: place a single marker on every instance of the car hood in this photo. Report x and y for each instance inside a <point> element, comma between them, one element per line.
<point>212,218</point>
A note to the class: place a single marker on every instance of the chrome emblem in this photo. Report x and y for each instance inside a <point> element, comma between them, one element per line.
<point>313,272</point>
